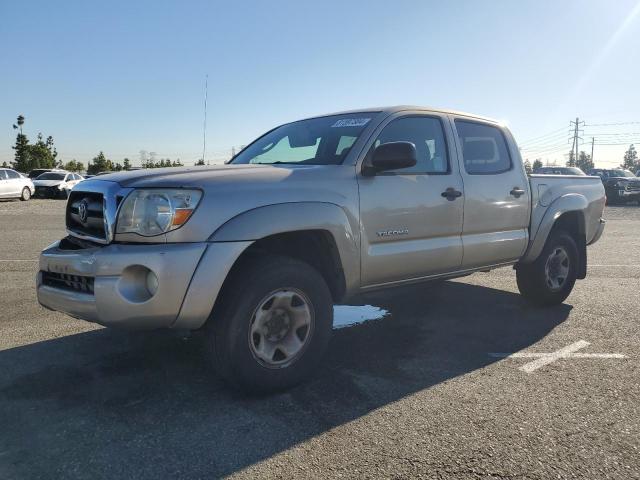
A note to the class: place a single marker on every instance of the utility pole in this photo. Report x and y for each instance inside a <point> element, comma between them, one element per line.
<point>575,158</point>
<point>576,139</point>
<point>592,142</point>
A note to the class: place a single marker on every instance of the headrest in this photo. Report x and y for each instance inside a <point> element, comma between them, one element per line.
<point>480,149</point>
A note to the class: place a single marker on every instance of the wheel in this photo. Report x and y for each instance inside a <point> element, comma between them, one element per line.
<point>272,326</point>
<point>551,277</point>
<point>26,194</point>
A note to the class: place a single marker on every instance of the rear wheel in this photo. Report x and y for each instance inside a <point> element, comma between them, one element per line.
<point>272,326</point>
<point>26,194</point>
<point>551,277</point>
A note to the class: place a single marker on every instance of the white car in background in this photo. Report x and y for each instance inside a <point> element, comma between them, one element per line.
<point>15,185</point>
<point>56,184</point>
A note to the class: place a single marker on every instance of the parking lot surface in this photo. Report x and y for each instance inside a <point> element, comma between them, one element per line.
<point>427,391</point>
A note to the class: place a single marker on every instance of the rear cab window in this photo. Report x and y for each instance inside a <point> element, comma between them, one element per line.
<point>484,148</point>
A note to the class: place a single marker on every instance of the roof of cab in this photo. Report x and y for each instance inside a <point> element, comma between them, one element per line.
<point>400,108</point>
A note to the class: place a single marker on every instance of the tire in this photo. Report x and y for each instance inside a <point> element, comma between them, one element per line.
<point>550,278</point>
<point>246,326</point>
<point>25,196</point>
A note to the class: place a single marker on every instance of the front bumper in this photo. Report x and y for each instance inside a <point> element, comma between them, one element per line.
<point>48,192</point>
<point>189,277</point>
<point>628,194</point>
<point>599,231</point>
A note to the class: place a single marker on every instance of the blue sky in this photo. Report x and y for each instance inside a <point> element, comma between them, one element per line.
<point>128,76</point>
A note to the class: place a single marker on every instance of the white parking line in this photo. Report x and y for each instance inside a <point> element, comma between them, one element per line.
<point>543,359</point>
<point>616,266</point>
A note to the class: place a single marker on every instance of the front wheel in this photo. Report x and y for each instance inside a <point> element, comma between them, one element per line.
<point>551,277</point>
<point>26,194</point>
<point>272,326</point>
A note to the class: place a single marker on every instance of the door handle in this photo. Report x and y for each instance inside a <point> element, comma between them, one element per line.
<point>451,194</point>
<point>517,192</point>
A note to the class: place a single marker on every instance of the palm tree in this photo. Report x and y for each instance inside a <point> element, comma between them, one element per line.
<point>20,122</point>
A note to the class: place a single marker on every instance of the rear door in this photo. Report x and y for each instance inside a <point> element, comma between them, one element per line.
<point>14,183</point>
<point>409,229</point>
<point>4,183</point>
<point>496,200</point>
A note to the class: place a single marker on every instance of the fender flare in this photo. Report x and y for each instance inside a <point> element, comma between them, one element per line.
<point>267,220</point>
<point>571,202</point>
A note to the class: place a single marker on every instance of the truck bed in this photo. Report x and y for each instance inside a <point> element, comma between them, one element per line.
<point>546,189</point>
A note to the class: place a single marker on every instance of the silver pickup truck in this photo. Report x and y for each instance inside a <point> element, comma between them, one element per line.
<point>256,252</point>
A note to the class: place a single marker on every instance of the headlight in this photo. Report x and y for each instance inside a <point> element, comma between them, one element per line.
<point>156,211</point>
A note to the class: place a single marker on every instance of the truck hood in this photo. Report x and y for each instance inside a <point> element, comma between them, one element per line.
<point>633,180</point>
<point>230,190</point>
<point>203,176</point>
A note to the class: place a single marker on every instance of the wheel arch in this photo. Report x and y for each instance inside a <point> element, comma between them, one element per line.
<point>568,212</point>
<point>318,233</point>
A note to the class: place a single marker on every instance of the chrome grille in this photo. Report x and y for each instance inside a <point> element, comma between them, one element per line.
<point>85,215</point>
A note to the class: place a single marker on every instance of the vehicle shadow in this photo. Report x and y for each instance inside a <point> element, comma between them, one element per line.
<point>112,404</point>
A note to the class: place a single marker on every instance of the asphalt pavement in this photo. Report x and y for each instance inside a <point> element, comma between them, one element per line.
<point>428,391</point>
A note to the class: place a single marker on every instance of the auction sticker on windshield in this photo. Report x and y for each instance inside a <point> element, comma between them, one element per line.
<point>351,122</point>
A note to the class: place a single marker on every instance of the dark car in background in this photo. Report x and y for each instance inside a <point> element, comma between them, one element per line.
<point>559,171</point>
<point>620,186</point>
<point>36,172</point>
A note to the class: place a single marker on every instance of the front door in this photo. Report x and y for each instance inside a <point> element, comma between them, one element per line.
<point>409,229</point>
<point>496,203</point>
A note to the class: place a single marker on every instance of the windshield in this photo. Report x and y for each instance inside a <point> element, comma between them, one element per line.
<point>51,176</point>
<point>36,173</point>
<point>621,173</point>
<point>317,141</point>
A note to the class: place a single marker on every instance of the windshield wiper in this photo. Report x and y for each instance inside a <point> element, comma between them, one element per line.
<point>277,163</point>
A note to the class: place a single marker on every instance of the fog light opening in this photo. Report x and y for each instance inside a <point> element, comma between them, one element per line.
<point>152,283</point>
<point>137,283</point>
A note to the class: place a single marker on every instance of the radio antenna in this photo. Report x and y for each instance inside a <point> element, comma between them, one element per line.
<point>204,127</point>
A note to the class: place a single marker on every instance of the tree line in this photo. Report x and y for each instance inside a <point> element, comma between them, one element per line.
<point>584,161</point>
<point>43,154</point>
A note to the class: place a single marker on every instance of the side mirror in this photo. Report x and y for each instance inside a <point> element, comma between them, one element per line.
<point>390,156</point>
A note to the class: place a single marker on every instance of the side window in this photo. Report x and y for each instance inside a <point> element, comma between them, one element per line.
<point>12,175</point>
<point>3,175</point>
<point>484,148</point>
<point>427,135</point>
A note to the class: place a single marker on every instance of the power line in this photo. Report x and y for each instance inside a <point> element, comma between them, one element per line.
<point>611,124</point>
<point>545,135</point>
<point>551,139</point>
<point>550,148</point>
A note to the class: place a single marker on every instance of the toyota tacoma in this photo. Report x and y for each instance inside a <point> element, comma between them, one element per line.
<point>257,251</point>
